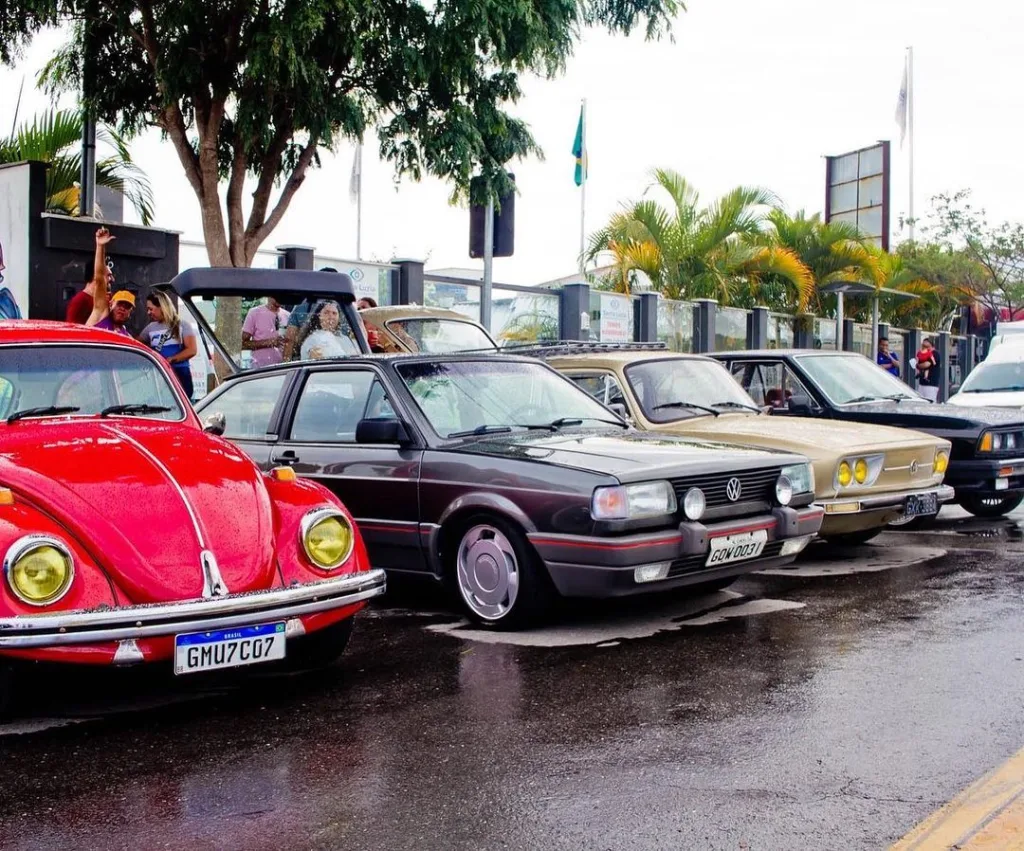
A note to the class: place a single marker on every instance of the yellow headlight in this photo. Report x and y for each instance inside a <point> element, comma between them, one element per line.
<point>860,471</point>
<point>845,475</point>
<point>327,540</point>
<point>40,574</point>
<point>941,462</point>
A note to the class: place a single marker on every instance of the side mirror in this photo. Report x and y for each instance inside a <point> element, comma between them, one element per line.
<point>215,423</point>
<point>800,405</point>
<point>382,430</point>
<point>619,410</point>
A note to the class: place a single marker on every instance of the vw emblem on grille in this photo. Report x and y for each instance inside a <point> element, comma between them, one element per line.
<point>913,467</point>
<point>733,489</point>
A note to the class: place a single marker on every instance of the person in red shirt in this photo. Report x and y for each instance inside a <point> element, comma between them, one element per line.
<point>81,305</point>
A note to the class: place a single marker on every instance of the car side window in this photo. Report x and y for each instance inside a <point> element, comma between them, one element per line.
<point>793,386</point>
<point>333,403</point>
<point>605,388</point>
<point>248,406</point>
<point>748,376</point>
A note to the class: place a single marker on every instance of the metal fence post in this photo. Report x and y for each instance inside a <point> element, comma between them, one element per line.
<point>645,318</point>
<point>574,312</point>
<point>757,328</point>
<point>704,310</point>
<point>943,349</point>
<point>846,344</point>
<point>971,360</point>
<point>911,346</point>
<point>295,257</point>
<point>409,277</point>
<point>803,331</point>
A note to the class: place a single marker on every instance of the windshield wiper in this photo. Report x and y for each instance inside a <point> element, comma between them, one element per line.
<point>136,408</point>
<point>686,405</point>
<point>899,397</point>
<point>480,430</point>
<point>1014,388</point>
<point>864,399</point>
<point>735,405</point>
<point>554,425</point>
<point>44,411</point>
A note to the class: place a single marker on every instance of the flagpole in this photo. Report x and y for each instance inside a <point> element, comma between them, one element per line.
<point>910,123</point>
<point>583,190</point>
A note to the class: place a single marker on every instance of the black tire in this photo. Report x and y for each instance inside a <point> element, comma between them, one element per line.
<point>319,649</point>
<point>852,539</point>
<point>990,506</point>
<point>477,541</point>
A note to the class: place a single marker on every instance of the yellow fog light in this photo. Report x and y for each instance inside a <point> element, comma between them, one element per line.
<point>860,471</point>
<point>845,474</point>
<point>39,570</point>
<point>327,538</point>
<point>941,462</point>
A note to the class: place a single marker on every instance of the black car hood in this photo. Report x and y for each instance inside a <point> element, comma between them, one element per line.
<point>951,419</point>
<point>629,456</point>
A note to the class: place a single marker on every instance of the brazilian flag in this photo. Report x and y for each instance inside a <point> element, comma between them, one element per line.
<point>578,152</point>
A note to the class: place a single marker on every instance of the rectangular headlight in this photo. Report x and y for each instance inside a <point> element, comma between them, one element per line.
<point>633,502</point>
<point>801,476</point>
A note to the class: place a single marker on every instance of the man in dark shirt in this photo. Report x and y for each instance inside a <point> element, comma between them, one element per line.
<point>81,304</point>
<point>886,359</point>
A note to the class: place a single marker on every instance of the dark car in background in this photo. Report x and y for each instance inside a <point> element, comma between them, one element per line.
<point>501,477</point>
<point>986,466</point>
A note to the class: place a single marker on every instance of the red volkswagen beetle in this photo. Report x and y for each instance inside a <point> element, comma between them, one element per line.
<point>129,535</point>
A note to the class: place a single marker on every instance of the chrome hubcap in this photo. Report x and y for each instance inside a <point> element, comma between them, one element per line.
<point>488,573</point>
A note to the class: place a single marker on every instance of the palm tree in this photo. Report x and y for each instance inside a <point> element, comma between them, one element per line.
<point>689,251</point>
<point>54,137</point>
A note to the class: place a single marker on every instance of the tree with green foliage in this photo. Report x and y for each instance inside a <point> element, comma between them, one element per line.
<point>687,250</point>
<point>259,90</point>
<point>55,137</point>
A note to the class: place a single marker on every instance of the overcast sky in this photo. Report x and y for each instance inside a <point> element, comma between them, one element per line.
<point>750,92</point>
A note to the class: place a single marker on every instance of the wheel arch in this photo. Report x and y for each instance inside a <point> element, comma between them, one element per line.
<point>461,510</point>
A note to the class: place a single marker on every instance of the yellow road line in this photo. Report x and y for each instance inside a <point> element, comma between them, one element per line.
<point>988,814</point>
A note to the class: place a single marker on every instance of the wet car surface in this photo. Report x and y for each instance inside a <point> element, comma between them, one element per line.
<point>790,711</point>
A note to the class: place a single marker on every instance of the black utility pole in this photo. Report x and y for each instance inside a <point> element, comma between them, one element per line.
<point>87,177</point>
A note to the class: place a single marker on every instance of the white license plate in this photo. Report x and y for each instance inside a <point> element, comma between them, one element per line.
<point>228,648</point>
<point>729,548</point>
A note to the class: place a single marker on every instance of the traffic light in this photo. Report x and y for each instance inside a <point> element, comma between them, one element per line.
<point>504,223</point>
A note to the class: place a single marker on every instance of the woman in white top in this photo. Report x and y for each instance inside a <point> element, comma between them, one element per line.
<point>322,338</point>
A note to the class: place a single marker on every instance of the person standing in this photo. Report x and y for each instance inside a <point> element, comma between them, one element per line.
<point>80,307</point>
<point>262,332</point>
<point>168,334</point>
<point>928,371</point>
<point>889,361</point>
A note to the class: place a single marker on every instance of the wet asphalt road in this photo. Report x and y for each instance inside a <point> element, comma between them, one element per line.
<point>789,712</point>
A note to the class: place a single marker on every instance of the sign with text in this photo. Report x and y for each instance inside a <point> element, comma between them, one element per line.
<point>616,312</point>
<point>857,191</point>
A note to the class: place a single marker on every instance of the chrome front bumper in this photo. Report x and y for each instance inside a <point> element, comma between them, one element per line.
<point>100,625</point>
<point>860,505</point>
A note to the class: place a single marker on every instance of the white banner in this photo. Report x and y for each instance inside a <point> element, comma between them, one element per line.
<point>616,311</point>
<point>14,240</point>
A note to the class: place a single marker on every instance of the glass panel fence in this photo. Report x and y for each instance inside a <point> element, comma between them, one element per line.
<point>780,331</point>
<point>462,298</point>
<point>611,317</point>
<point>862,339</point>
<point>825,334</point>
<point>897,345</point>
<point>675,324</point>
<point>518,317</point>
<point>957,360</point>
<point>730,329</point>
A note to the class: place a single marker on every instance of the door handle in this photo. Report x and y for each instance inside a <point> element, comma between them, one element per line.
<point>287,458</point>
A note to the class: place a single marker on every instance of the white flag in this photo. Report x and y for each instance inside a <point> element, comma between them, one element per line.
<point>901,107</point>
<point>355,182</point>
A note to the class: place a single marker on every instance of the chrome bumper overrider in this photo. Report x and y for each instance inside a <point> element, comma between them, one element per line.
<point>98,625</point>
<point>856,505</point>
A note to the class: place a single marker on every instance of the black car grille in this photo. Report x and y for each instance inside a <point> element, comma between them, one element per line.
<point>695,564</point>
<point>757,486</point>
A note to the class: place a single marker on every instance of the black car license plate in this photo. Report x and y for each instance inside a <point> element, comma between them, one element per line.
<point>921,505</point>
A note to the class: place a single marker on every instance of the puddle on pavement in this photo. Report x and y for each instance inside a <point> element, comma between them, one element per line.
<point>822,560</point>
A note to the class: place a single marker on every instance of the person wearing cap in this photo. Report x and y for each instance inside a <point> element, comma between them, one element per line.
<point>111,312</point>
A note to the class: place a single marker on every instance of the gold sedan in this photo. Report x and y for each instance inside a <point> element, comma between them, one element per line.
<point>865,476</point>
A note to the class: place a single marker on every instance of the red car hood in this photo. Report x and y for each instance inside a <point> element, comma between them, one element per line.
<point>146,499</point>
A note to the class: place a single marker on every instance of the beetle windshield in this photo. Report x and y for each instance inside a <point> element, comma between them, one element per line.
<point>851,379</point>
<point>995,377</point>
<point>436,336</point>
<point>460,397</point>
<point>666,389</point>
<point>91,379</point>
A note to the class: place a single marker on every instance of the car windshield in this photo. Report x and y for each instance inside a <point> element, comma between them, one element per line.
<point>83,381</point>
<point>437,336</point>
<point>666,388</point>
<point>995,377</point>
<point>465,397</point>
<point>851,379</point>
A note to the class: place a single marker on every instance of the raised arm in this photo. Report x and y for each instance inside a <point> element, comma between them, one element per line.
<point>101,293</point>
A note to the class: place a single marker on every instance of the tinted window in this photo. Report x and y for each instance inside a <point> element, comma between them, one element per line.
<point>333,403</point>
<point>248,406</point>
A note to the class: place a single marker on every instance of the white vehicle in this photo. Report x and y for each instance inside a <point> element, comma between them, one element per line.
<point>1007,333</point>
<point>997,382</point>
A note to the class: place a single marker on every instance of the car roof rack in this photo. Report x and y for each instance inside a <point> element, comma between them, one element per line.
<point>553,348</point>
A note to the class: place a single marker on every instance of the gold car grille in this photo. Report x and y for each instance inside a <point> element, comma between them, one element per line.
<point>907,466</point>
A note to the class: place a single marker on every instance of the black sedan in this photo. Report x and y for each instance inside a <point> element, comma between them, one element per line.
<point>503,478</point>
<point>986,466</point>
